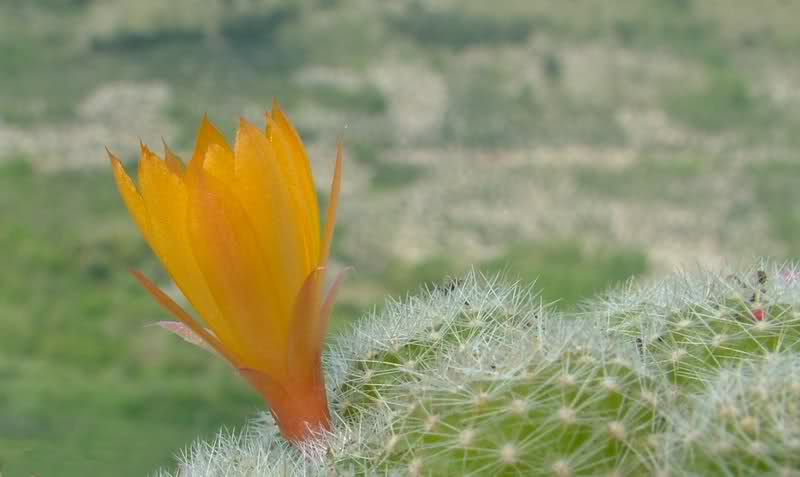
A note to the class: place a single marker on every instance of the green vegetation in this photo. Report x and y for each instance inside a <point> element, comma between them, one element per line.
<point>484,115</point>
<point>80,363</point>
<point>565,271</point>
<point>454,29</point>
<point>385,174</point>
<point>725,102</point>
<point>776,193</point>
<point>479,111</point>
<point>682,174</point>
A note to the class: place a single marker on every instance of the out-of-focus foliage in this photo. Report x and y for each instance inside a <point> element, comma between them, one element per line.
<point>573,142</point>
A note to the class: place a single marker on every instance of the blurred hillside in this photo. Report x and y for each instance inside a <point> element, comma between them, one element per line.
<point>572,142</point>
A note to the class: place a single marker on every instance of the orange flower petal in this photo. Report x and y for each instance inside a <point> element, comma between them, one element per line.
<point>300,408</point>
<point>166,201</point>
<point>219,163</point>
<point>130,195</point>
<point>174,162</point>
<point>232,261</point>
<point>295,170</point>
<point>310,324</point>
<point>333,203</point>
<point>184,317</point>
<point>207,135</point>
<point>303,348</point>
<point>260,189</point>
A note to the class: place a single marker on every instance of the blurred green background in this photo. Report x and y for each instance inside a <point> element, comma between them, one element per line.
<point>577,142</point>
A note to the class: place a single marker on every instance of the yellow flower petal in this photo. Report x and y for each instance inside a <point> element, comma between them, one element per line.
<point>219,163</point>
<point>174,162</point>
<point>208,134</point>
<point>133,200</point>
<point>296,173</point>
<point>333,203</point>
<point>232,260</point>
<point>261,188</point>
<point>166,201</point>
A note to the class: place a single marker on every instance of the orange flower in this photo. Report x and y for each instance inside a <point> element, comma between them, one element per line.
<point>238,230</point>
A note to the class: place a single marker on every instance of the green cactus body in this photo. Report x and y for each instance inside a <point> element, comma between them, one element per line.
<point>746,422</point>
<point>539,414</point>
<point>694,376</point>
<point>698,342</point>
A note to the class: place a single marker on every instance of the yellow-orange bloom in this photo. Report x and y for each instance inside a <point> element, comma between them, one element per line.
<point>238,230</point>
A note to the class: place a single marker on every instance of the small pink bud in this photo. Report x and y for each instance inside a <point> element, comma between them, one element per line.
<point>759,314</point>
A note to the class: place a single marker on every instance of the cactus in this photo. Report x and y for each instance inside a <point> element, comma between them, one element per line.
<point>689,329</point>
<point>695,375</point>
<point>746,422</point>
<point>498,390</point>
